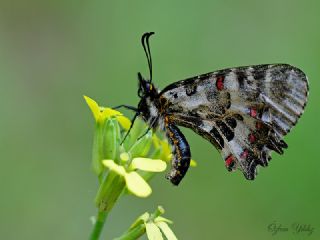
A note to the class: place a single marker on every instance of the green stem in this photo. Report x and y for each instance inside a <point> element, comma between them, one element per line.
<point>133,233</point>
<point>109,191</point>
<point>98,226</point>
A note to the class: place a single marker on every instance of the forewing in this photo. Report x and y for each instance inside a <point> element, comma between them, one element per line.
<point>244,112</point>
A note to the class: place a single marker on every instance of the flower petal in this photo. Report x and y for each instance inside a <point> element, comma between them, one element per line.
<point>115,167</point>
<point>148,164</point>
<point>137,185</point>
<point>109,112</point>
<point>166,231</point>
<point>162,219</point>
<point>124,121</point>
<point>153,232</point>
<point>193,163</point>
<point>94,107</point>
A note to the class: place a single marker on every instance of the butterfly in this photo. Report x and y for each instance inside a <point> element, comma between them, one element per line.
<point>244,112</point>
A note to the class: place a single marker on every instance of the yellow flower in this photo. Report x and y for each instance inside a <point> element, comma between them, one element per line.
<point>100,114</point>
<point>154,225</point>
<point>134,182</point>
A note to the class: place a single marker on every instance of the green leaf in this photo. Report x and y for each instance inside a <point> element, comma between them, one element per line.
<point>153,232</point>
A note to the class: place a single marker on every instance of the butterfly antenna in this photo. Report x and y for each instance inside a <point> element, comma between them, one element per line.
<point>146,47</point>
<point>132,122</point>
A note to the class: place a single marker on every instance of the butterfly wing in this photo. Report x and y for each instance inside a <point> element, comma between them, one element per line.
<point>244,111</point>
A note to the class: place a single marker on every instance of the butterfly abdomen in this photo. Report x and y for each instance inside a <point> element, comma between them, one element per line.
<point>181,154</point>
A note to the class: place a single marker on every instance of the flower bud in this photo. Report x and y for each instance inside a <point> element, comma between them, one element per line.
<point>142,146</point>
<point>97,149</point>
<point>112,138</point>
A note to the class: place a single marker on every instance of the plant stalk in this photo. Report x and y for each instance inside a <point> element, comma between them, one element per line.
<point>98,226</point>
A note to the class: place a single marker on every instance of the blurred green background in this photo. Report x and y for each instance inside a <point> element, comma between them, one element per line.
<point>53,52</point>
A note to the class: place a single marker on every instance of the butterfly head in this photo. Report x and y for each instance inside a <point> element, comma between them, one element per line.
<point>146,88</point>
<point>146,91</point>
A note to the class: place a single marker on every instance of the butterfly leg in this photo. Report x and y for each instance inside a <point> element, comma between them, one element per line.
<point>181,153</point>
<point>151,126</point>
<point>127,107</point>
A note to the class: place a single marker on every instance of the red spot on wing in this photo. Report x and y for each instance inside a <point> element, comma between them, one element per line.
<point>229,161</point>
<point>253,112</point>
<point>220,82</point>
<point>252,138</point>
<point>244,154</point>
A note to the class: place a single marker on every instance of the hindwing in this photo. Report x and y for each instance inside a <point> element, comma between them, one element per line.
<point>244,112</point>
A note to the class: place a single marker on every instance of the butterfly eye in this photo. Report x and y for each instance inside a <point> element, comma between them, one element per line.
<point>147,87</point>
